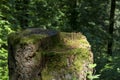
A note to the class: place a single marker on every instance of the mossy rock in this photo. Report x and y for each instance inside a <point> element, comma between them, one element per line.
<point>37,54</point>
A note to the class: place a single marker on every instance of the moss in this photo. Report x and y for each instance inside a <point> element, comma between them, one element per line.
<point>46,75</point>
<point>24,38</point>
<point>58,60</point>
<point>37,57</point>
<point>13,39</point>
<point>77,47</point>
<point>32,39</point>
<point>58,56</point>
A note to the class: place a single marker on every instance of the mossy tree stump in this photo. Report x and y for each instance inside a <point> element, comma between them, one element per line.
<point>37,54</point>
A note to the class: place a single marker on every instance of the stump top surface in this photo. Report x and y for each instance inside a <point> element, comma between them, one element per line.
<point>31,35</point>
<point>36,31</point>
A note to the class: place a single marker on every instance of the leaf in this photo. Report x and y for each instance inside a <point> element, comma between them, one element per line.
<point>92,66</point>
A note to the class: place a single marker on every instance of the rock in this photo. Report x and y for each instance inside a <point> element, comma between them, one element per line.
<point>37,54</point>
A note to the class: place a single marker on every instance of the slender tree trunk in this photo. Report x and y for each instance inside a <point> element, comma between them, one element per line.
<point>73,20</point>
<point>111,26</point>
<point>73,14</point>
<point>25,13</point>
<point>21,7</point>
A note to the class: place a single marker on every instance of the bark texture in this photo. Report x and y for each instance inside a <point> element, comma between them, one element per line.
<point>111,26</point>
<point>36,54</point>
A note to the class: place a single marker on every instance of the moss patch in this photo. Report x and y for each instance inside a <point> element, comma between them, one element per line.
<point>32,39</point>
<point>67,57</point>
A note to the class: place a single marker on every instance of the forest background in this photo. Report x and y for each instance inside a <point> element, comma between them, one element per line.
<point>98,20</point>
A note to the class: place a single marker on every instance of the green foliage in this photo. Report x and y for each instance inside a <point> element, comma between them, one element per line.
<point>4,31</point>
<point>91,18</point>
<point>91,76</point>
<point>111,68</point>
<point>3,64</point>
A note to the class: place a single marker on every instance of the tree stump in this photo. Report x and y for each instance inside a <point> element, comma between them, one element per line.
<point>37,54</point>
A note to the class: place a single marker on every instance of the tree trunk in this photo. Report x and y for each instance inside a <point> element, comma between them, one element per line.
<point>21,7</point>
<point>111,26</point>
<point>73,15</point>
<point>36,54</point>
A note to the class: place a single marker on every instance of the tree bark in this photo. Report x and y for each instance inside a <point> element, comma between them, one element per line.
<point>111,26</point>
<point>36,54</point>
<point>21,7</point>
<point>73,15</point>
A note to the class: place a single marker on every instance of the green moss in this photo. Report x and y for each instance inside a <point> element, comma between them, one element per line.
<point>58,60</point>
<point>37,57</point>
<point>14,38</point>
<point>22,38</point>
<point>46,75</point>
<point>32,39</point>
<point>58,55</point>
